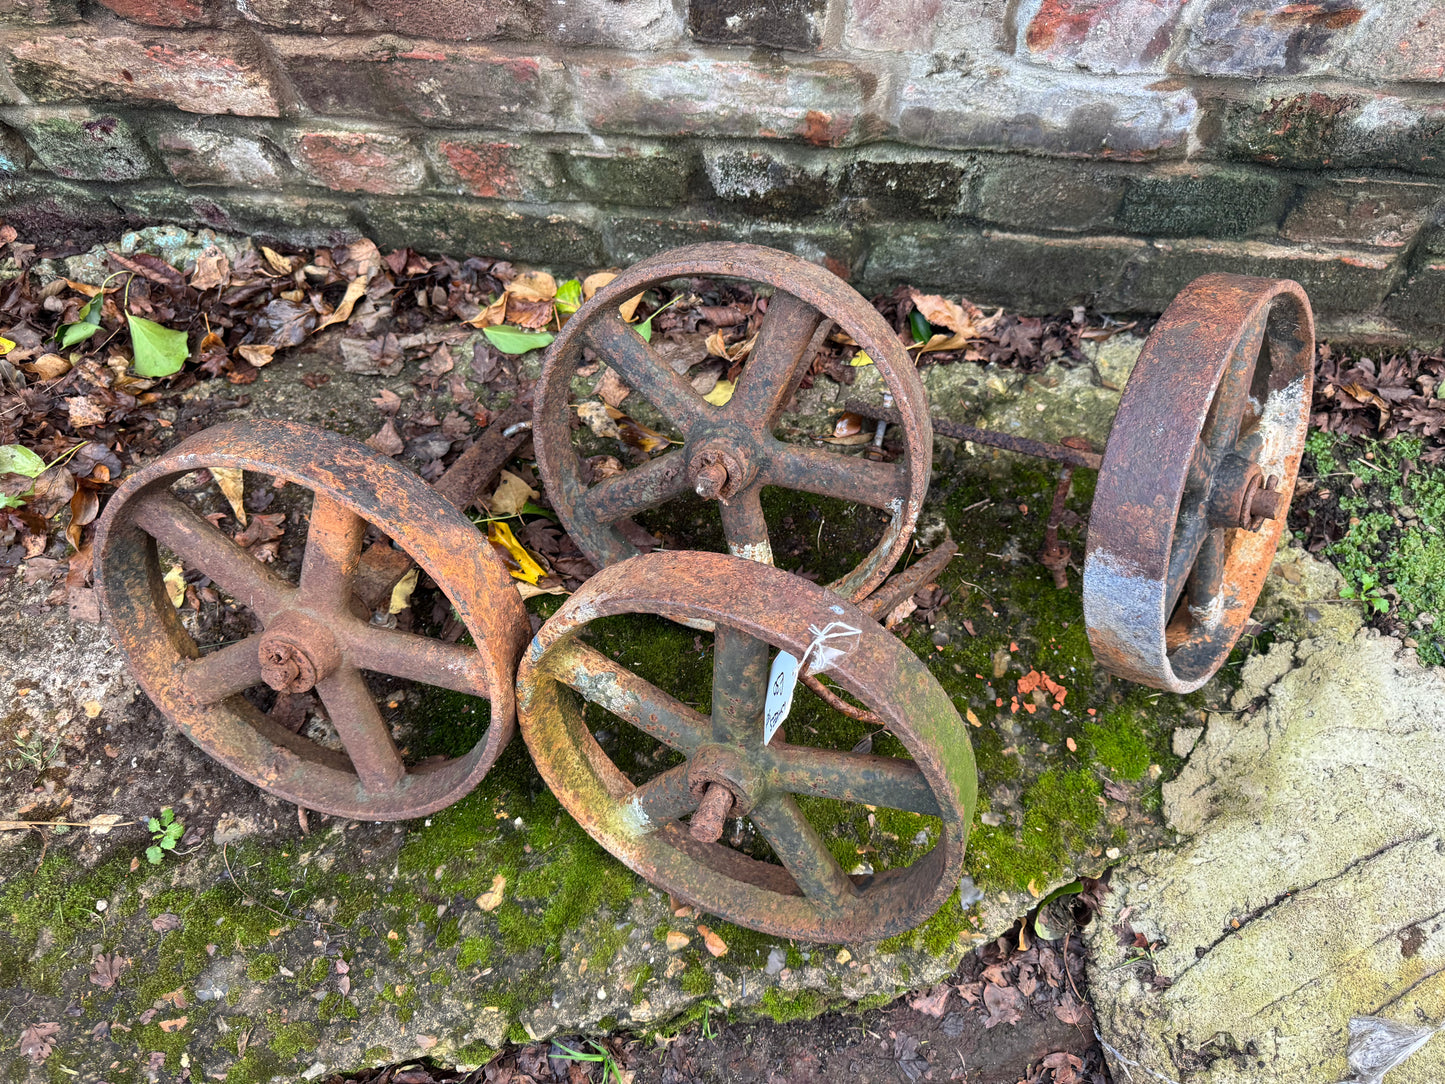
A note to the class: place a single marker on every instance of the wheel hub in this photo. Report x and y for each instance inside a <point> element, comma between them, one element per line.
<point>1242,497</point>
<point>719,470</point>
<point>725,783</point>
<point>296,652</point>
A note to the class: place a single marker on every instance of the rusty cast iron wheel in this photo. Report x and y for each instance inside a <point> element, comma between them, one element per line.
<point>313,638</point>
<point>730,453</point>
<point>728,771</point>
<point>1197,478</point>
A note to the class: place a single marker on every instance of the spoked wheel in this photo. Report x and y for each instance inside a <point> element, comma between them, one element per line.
<point>730,453</point>
<point>316,636</point>
<point>1197,478</point>
<point>728,771</point>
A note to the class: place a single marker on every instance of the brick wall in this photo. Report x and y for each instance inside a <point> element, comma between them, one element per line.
<point>1033,152</point>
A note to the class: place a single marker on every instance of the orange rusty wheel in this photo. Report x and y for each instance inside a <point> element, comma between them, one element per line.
<point>1197,477</point>
<point>730,453</point>
<point>796,888</point>
<point>315,634</point>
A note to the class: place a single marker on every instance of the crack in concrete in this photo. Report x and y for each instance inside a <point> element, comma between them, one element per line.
<point>1264,909</point>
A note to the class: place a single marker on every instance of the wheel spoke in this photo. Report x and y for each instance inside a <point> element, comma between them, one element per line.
<point>200,545</point>
<point>1231,400</point>
<point>663,798</point>
<point>785,347</point>
<point>853,777</point>
<point>739,686</point>
<point>829,474</point>
<point>223,673</point>
<point>802,851</point>
<point>645,373</point>
<point>363,731</point>
<point>1189,536</point>
<point>333,549</point>
<point>624,694</point>
<point>625,495</point>
<point>1206,580</point>
<point>416,658</point>
<point>745,528</point>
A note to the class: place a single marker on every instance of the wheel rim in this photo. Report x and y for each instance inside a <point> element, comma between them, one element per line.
<point>752,606</point>
<point>311,639</point>
<point>730,451</point>
<point>1184,524</point>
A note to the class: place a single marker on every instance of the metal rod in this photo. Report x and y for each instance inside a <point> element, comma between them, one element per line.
<point>1039,449</point>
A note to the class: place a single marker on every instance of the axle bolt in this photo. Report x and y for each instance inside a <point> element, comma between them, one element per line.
<point>712,811</point>
<point>712,479</point>
<point>1266,502</point>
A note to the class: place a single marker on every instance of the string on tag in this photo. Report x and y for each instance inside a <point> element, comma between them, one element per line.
<point>822,652</point>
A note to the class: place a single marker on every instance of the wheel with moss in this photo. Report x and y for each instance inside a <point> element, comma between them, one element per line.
<point>729,453</point>
<point>668,827</point>
<point>317,636</point>
<point>1195,483</point>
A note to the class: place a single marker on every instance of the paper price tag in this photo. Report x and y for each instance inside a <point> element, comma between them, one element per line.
<point>782,680</point>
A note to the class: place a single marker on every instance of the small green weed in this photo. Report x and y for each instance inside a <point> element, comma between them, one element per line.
<point>166,831</point>
<point>33,753</point>
<point>610,1069</point>
<point>1370,592</point>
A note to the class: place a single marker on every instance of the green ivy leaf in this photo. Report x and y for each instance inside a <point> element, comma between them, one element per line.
<point>159,351</point>
<point>86,326</point>
<point>569,296</point>
<point>153,855</point>
<point>17,459</point>
<point>513,340</point>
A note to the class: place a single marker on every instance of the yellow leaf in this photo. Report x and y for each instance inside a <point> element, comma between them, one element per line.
<point>510,495</point>
<point>721,392</point>
<point>592,283</point>
<point>502,539</point>
<point>102,823</point>
<point>281,264</point>
<point>401,593</point>
<point>48,367</point>
<point>1034,890</point>
<point>5,346</point>
<point>492,315</point>
<point>492,898</point>
<point>533,286</point>
<point>229,479</point>
<point>84,289</point>
<point>175,581</point>
<point>861,359</point>
<point>257,355</point>
<point>354,289</point>
<point>972,718</point>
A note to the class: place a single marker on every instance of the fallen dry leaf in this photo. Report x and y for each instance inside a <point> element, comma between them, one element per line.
<point>386,440</point>
<point>491,899</point>
<point>38,1040</point>
<point>677,941</point>
<point>933,1003</point>
<point>510,495</point>
<point>715,944</point>
<point>401,593</point>
<point>164,923</point>
<point>230,481</point>
<point>533,286</point>
<point>259,356</point>
<point>610,388</point>
<point>354,291</point>
<point>108,969</point>
<point>173,1025</point>
<point>212,269</point>
<point>83,411</point>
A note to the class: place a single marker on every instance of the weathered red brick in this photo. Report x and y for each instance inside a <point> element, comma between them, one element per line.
<point>1280,37</point>
<point>826,103</point>
<point>1017,109</point>
<point>200,72</point>
<point>219,151</point>
<point>1362,211</point>
<point>454,20</point>
<point>495,169</point>
<point>169,13</point>
<point>1400,43</point>
<point>893,26</point>
<point>781,24</point>
<point>1101,35</point>
<point>32,12</point>
<point>379,163</point>
<point>442,84</point>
